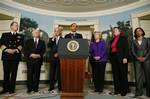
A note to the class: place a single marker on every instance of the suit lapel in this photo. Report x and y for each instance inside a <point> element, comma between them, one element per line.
<point>33,43</point>
<point>143,41</point>
<point>136,42</point>
<point>71,36</point>
<point>58,41</point>
<point>119,42</point>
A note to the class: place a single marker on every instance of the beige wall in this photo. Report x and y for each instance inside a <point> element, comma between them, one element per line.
<point>145,24</point>
<point>4,26</point>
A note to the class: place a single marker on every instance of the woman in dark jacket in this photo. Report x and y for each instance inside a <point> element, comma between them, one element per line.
<point>98,59</point>
<point>119,62</point>
<point>141,53</point>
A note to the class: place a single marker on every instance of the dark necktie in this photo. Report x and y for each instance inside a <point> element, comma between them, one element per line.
<point>72,35</point>
<point>13,33</point>
<point>36,43</point>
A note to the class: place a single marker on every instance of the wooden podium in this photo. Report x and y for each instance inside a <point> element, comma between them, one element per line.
<point>73,61</point>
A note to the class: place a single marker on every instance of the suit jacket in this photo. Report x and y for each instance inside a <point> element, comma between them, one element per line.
<point>53,47</point>
<point>141,50</point>
<point>30,48</point>
<point>122,48</point>
<point>12,41</point>
<point>76,36</point>
<point>98,49</point>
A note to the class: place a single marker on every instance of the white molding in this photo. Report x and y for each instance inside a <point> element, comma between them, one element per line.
<point>72,14</point>
<point>10,13</point>
<point>15,15</point>
<point>135,17</point>
<point>84,22</point>
<point>145,12</point>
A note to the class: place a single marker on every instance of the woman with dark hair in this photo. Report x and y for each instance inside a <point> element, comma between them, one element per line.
<point>98,59</point>
<point>141,53</point>
<point>119,62</point>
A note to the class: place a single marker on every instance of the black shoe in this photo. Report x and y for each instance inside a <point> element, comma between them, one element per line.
<point>50,89</point>
<point>100,92</point>
<point>138,94</point>
<point>11,92</point>
<point>114,93</point>
<point>148,95</point>
<point>96,90</point>
<point>36,91</point>
<point>29,91</point>
<point>134,96</point>
<point>123,94</point>
<point>3,92</point>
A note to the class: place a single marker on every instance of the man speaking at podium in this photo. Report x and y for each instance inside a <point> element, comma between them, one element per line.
<point>74,34</point>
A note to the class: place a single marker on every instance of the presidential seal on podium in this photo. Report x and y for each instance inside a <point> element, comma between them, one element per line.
<point>73,46</point>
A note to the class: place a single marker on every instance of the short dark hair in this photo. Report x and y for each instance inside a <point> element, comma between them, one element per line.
<point>135,35</point>
<point>116,28</point>
<point>73,24</point>
<point>12,23</point>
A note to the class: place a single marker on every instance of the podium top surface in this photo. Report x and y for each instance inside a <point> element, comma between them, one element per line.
<point>73,48</point>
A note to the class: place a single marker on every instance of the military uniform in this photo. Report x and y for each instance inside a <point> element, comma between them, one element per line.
<point>10,61</point>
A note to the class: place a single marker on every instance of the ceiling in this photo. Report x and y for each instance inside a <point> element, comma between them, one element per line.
<point>75,5</point>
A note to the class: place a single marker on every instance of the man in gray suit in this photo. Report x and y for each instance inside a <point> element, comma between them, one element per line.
<point>141,52</point>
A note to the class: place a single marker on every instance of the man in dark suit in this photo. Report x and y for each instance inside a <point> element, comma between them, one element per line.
<point>34,49</point>
<point>74,34</point>
<point>11,45</point>
<point>54,59</point>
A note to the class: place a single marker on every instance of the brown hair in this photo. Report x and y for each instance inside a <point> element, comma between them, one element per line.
<point>12,23</point>
<point>117,28</point>
<point>121,33</point>
<point>135,31</point>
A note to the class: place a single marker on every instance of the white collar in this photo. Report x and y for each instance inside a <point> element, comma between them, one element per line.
<point>73,32</point>
<point>36,39</point>
<point>57,37</point>
<point>13,32</point>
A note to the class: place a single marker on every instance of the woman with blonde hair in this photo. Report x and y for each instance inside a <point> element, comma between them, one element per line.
<point>98,59</point>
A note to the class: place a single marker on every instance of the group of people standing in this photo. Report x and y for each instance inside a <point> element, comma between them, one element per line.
<point>12,45</point>
<point>119,58</point>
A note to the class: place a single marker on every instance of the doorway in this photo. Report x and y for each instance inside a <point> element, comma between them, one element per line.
<point>85,30</point>
<point>85,27</point>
